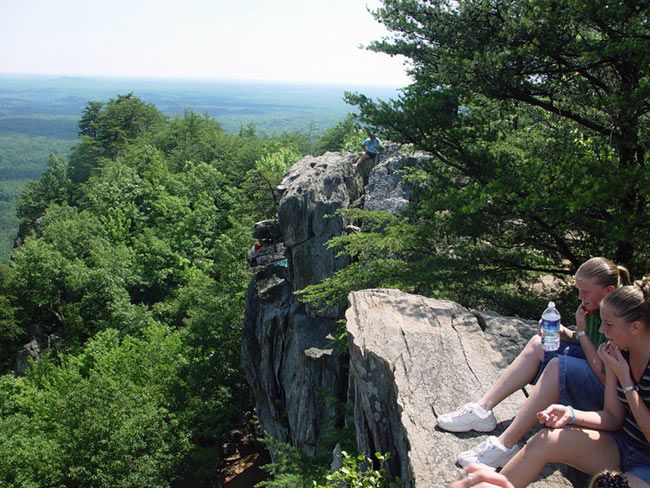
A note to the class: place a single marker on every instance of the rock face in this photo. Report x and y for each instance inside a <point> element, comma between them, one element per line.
<point>409,359</point>
<point>414,358</point>
<point>290,364</point>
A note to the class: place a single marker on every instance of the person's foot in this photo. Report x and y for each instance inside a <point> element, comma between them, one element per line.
<point>470,416</point>
<point>490,452</point>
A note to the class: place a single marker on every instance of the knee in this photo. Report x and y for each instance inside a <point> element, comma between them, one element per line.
<point>551,371</point>
<point>543,441</point>
<point>553,366</point>
<point>534,347</point>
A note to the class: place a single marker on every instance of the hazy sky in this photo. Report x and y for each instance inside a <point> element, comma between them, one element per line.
<point>297,40</point>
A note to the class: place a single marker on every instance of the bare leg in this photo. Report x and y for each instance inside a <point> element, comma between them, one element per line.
<point>546,392</point>
<point>520,373</point>
<point>590,451</point>
<point>362,158</point>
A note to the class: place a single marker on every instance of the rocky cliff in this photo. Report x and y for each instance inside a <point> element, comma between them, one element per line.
<point>409,358</point>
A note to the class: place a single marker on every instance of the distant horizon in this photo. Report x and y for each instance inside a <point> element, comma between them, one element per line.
<point>152,78</point>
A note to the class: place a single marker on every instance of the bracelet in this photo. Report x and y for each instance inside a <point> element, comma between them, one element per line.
<point>580,333</point>
<point>573,416</point>
<point>631,387</point>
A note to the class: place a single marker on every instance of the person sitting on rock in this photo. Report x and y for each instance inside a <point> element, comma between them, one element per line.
<point>371,146</point>
<point>618,436</point>
<point>572,375</point>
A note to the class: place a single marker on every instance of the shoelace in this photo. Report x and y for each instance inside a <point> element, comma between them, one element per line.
<point>483,446</point>
<point>461,411</point>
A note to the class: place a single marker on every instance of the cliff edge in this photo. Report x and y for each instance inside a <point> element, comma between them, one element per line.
<point>409,358</point>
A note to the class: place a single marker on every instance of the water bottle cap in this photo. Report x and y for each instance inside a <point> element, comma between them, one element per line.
<point>551,304</point>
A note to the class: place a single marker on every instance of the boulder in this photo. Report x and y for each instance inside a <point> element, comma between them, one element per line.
<point>413,358</point>
<point>289,361</point>
<point>267,230</point>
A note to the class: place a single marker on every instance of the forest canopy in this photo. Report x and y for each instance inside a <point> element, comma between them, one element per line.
<point>131,279</point>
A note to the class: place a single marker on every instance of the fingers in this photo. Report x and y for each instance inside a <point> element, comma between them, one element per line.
<point>482,476</point>
<point>488,478</point>
<point>553,416</point>
<point>477,467</point>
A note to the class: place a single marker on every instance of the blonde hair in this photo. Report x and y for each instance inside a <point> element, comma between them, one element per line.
<point>631,302</point>
<point>604,273</point>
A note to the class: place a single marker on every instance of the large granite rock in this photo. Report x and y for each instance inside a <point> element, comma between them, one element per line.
<point>410,358</point>
<point>289,362</point>
<point>414,358</point>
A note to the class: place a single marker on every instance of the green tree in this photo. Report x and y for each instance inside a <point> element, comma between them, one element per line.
<point>536,115</point>
<point>107,129</point>
<point>90,119</point>
<point>53,187</point>
<point>337,138</point>
<point>101,418</point>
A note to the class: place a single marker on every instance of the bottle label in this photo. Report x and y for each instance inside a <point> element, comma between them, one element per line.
<point>551,325</point>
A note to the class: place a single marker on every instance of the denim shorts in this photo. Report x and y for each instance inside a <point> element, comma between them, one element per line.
<point>565,349</point>
<point>371,155</point>
<point>579,385</point>
<point>633,460</point>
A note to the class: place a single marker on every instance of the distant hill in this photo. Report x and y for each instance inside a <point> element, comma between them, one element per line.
<point>39,116</point>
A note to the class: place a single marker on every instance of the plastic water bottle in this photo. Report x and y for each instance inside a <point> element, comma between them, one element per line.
<point>551,328</point>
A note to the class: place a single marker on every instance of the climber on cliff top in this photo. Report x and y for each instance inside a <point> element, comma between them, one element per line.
<point>371,146</point>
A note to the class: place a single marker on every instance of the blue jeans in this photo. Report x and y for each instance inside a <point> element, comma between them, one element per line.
<point>579,385</point>
<point>633,460</point>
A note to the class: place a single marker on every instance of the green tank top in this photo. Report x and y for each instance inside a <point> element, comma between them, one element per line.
<point>593,324</point>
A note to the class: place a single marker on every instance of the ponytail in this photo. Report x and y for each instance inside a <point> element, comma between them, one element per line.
<point>631,302</point>
<point>604,273</point>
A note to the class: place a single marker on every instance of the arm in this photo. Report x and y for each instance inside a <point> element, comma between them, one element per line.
<point>615,361</point>
<point>592,357</point>
<point>609,419</point>
<point>483,477</point>
<point>569,335</point>
<point>585,342</point>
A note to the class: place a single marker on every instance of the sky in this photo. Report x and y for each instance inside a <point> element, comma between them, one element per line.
<point>274,40</point>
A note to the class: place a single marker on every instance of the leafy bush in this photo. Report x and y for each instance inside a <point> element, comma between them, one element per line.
<point>102,418</point>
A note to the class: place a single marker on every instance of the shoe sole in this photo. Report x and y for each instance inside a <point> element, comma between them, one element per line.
<point>467,463</point>
<point>452,429</point>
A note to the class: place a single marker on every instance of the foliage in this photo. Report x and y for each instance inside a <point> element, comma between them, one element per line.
<point>346,135</point>
<point>106,130</point>
<point>359,472</point>
<point>22,158</point>
<point>534,115</point>
<point>268,173</point>
<point>53,187</point>
<point>101,418</point>
<point>148,223</point>
<point>292,469</point>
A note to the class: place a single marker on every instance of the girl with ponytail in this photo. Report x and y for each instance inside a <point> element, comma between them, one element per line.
<point>618,436</point>
<point>573,375</point>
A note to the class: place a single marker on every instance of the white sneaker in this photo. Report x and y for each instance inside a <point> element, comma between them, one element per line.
<point>489,452</point>
<point>470,416</point>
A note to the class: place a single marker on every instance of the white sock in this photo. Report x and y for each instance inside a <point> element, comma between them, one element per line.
<point>481,412</point>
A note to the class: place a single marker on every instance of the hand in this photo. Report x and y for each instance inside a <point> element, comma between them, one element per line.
<point>539,328</point>
<point>610,354</point>
<point>581,318</point>
<point>554,416</point>
<point>481,476</point>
